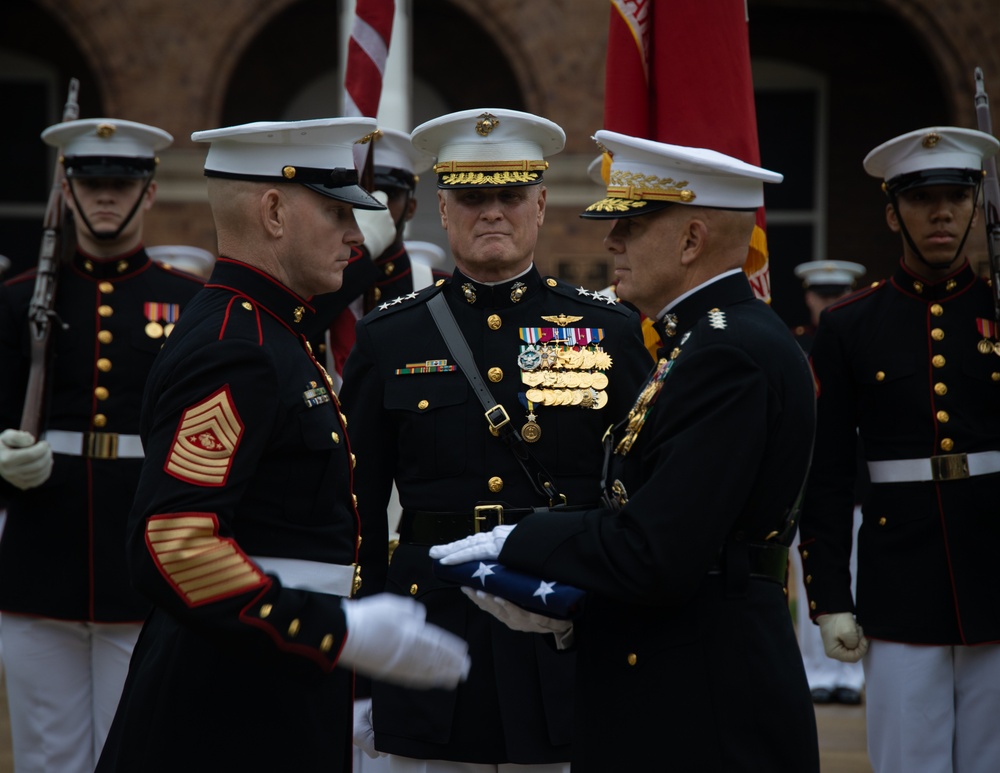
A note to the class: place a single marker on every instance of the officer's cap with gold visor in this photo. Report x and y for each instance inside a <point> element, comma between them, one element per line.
<point>647,176</point>
<point>489,147</point>
<point>107,147</point>
<point>317,153</point>
<point>936,155</point>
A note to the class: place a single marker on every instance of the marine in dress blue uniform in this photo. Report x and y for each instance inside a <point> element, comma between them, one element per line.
<point>684,566</point>
<point>562,362</point>
<point>62,565</point>
<point>908,368</point>
<point>243,533</point>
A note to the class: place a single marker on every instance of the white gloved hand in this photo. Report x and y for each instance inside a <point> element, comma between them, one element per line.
<point>364,733</point>
<point>376,226</point>
<point>388,639</point>
<point>843,638</point>
<point>23,462</point>
<point>485,546</point>
<point>520,619</point>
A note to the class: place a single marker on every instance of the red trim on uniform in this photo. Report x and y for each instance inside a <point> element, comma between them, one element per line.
<point>255,309</point>
<point>266,276</point>
<point>864,292</point>
<point>250,614</point>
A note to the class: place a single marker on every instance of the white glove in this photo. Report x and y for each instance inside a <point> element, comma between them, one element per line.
<point>520,619</point>
<point>388,639</point>
<point>485,546</point>
<point>376,226</point>
<point>364,733</point>
<point>23,462</point>
<point>843,638</point>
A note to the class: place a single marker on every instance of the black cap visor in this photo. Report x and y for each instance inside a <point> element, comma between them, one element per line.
<point>109,166</point>
<point>339,184</point>
<point>926,177</point>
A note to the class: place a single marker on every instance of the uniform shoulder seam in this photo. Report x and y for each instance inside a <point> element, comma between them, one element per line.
<point>583,295</point>
<point>857,295</point>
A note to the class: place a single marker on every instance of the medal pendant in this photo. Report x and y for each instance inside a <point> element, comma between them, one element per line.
<point>985,346</point>
<point>531,432</point>
<point>154,330</point>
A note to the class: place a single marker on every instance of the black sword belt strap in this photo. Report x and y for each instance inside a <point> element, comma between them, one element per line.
<point>496,414</point>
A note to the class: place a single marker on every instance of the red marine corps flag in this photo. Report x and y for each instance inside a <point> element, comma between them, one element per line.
<point>678,71</point>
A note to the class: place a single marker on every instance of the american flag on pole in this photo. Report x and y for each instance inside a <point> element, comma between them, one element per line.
<point>367,52</point>
<point>678,71</point>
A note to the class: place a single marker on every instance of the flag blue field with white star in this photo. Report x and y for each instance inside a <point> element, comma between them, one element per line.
<point>553,599</point>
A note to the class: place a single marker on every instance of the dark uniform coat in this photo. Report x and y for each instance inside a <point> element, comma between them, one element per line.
<point>898,365</point>
<point>687,658</point>
<point>414,417</point>
<point>246,456</point>
<point>62,554</point>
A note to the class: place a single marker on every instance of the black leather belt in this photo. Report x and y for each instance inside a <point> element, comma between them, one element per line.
<point>417,527</point>
<point>754,559</point>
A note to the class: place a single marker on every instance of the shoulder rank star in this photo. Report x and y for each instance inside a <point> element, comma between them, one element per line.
<point>561,319</point>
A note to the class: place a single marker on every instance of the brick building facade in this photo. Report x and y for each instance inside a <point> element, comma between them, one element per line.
<point>834,78</point>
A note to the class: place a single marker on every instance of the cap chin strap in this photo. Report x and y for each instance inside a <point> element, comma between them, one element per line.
<point>106,237</point>
<point>909,239</point>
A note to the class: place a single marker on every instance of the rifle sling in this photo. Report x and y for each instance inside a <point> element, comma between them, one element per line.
<point>496,414</point>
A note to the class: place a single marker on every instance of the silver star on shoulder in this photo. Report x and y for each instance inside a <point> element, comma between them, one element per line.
<point>383,306</point>
<point>582,291</point>
<point>544,590</point>
<point>484,571</point>
<point>411,296</point>
<point>609,300</point>
<point>396,300</point>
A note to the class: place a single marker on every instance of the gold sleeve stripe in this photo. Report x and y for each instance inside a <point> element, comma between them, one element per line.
<point>196,561</point>
<point>206,440</point>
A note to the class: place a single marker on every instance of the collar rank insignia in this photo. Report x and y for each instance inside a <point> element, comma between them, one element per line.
<point>717,319</point>
<point>315,395</point>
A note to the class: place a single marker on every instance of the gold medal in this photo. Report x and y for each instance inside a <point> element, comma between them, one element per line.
<point>601,400</point>
<point>168,329</point>
<point>535,395</point>
<point>572,379</point>
<point>154,329</point>
<point>531,432</point>
<point>985,346</point>
<point>600,381</point>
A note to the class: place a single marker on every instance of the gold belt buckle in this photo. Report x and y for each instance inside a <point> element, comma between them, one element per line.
<point>100,445</point>
<point>480,517</point>
<point>949,467</point>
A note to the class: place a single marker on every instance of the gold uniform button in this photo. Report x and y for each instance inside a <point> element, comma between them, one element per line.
<point>321,348</point>
<point>495,374</point>
<point>995,376</point>
<point>354,461</point>
<point>943,417</point>
<point>805,554</point>
<point>105,337</point>
<point>354,499</point>
<point>439,282</point>
<point>938,361</point>
<point>293,627</point>
<point>881,521</point>
<point>632,658</point>
<point>937,334</point>
<point>937,309</point>
<point>812,605</point>
<point>551,282</point>
<point>809,579</point>
<point>413,589</point>
<point>336,437</point>
<point>880,376</point>
<point>246,305</point>
<point>947,444</point>
<point>101,393</point>
<point>106,287</point>
<point>327,643</point>
<point>423,405</point>
<point>495,484</point>
<point>377,294</point>
<point>494,322</point>
<point>343,420</point>
<point>100,420</point>
<point>940,388</point>
<point>104,310</point>
<point>265,611</point>
<point>104,364</point>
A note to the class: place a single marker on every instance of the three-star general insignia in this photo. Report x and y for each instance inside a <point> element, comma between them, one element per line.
<point>206,440</point>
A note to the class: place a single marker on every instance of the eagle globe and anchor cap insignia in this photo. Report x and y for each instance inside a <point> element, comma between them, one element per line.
<point>206,441</point>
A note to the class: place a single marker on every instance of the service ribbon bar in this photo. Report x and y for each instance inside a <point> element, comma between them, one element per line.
<point>161,312</point>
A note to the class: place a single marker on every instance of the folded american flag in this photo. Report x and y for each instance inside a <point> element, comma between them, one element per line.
<point>552,599</point>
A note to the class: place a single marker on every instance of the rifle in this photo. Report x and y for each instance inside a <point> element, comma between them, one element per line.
<point>991,192</point>
<point>41,313</point>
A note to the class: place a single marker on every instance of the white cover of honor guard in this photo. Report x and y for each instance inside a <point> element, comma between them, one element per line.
<point>106,137</point>
<point>647,175</point>
<point>935,147</point>
<point>394,150</point>
<point>317,153</point>
<point>840,273</point>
